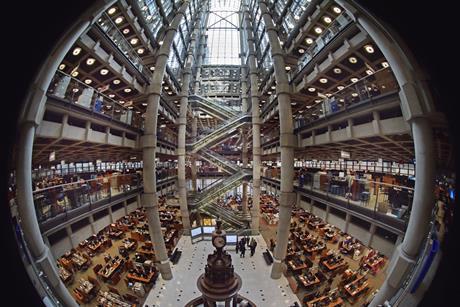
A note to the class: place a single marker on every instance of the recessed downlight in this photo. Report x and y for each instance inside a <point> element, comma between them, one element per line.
<point>354,79</point>
<point>116,81</point>
<point>90,61</point>
<point>62,66</point>
<point>309,41</point>
<point>327,19</point>
<point>76,51</point>
<point>127,90</point>
<point>133,41</point>
<point>323,80</point>
<point>111,95</point>
<point>152,68</point>
<point>340,87</point>
<point>119,20</point>
<point>112,10</point>
<point>140,50</point>
<point>88,81</point>
<point>74,74</point>
<point>337,70</point>
<point>369,48</point>
<point>318,30</point>
<point>337,10</point>
<point>104,71</point>
<point>385,64</point>
<point>301,51</point>
<point>126,31</point>
<point>311,89</point>
<point>354,94</point>
<point>369,72</point>
<point>353,60</point>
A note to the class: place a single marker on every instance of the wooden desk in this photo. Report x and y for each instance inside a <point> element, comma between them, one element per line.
<point>295,267</point>
<point>358,289</point>
<point>315,248</point>
<point>79,260</point>
<point>306,283</point>
<point>142,279</point>
<point>374,263</point>
<point>66,263</point>
<point>65,275</point>
<point>108,270</point>
<point>332,267</point>
<point>94,247</point>
<point>313,303</point>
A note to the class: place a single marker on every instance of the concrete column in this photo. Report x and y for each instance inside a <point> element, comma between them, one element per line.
<point>298,199</point>
<point>125,206</point>
<point>254,96</point>
<point>312,202</point>
<point>110,215</point>
<point>371,234</point>
<point>416,104</point>
<point>193,155</point>
<point>200,55</point>
<point>138,201</point>
<point>349,128</point>
<point>326,218</point>
<point>150,200</point>
<point>347,222</point>
<point>244,200</point>
<point>91,223</point>
<point>68,230</point>
<point>287,142</point>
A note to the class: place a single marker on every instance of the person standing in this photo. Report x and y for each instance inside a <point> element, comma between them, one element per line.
<point>237,246</point>
<point>243,250</point>
<point>253,247</point>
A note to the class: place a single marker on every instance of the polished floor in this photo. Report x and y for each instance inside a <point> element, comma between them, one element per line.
<point>255,273</point>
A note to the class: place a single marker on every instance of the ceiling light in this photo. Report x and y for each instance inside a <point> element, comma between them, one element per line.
<point>76,51</point>
<point>288,68</point>
<point>166,87</point>
<point>121,102</point>
<point>116,81</point>
<point>152,68</point>
<point>318,30</point>
<point>126,31</point>
<point>138,112</point>
<point>117,110</point>
<point>311,89</point>
<point>118,20</point>
<point>337,10</point>
<point>75,73</point>
<point>301,50</point>
<point>337,70</point>
<point>90,61</point>
<point>328,95</point>
<point>88,81</point>
<point>296,17</point>
<point>327,19</point>
<point>170,93</point>
<point>130,107</point>
<point>269,93</point>
<point>342,100</point>
<point>144,8</point>
<point>104,71</point>
<point>354,80</point>
<point>62,66</point>
<point>75,90</point>
<point>309,41</point>
<point>273,87</point>
<point>144,104</point>
<point>140,50</point>
<point>293,103</point>
<point>308,107</point>
<point>369,72</point>
<point>317,101</point>
<point>353,60</point>
<point>340,87</point>
<point>127,90</point>
<point>111,95</point>
<point>323,80</point>
<point>112,10</point>
<point>148,17</point>
<point>369,48</point>
<point>354,94</point>
<point>133,41</point>
<point>385,64</point>
<point>160,43</point>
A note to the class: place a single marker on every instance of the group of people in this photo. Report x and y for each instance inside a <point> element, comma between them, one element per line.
<point>241,246</point>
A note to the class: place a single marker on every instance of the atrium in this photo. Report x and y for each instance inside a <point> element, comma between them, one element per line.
<point>300,137</point>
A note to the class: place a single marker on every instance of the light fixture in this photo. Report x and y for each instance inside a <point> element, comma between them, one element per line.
<point>75,73</point>
<point>166,87</point>
<point>138,112</point>
<point>144,8</point>
<point>318,100</point>
<point>385,64</point>
<point>75,90</point>
<point>62,66</point>
<point>88,81</point>
<point>273,87</point>
<point>301,51</point>
<point>140,50</point>
<point>108,106</point>
<point>148,17</point>
<point>76,51</point>
<point>353,60</point>
<point>323,80</point>
<point>342,100</point>
<point>309,41</point>
<point>104,71</point>
<point>288,68</point>
<point>144,104</point>
<point>152,68</point>
<point>337,10</point>
<point>318,30</point>
<point>269,93</point>
<point>119,20</point>
<point>327,19</point>
<point>112,10</point>
<point>328,95</point>
<point>111,95</point>
<point>127,90</point>
<point>160,43</point>
<point>296,17</point>
<point>170,93</point>
<point>337,70</point>
<point>340,87</point>
<point>354,80</point>
<point>309,107</point>
<point>293,103</point>
<point>117,110</point>
<point>121,102</point>
<point>369,72</point>
<point>90,61</point>
<point>354,94</point>
<point>311,89</point>
<point>116,81</point>
<point>369,49</point>
<point>130,107</point>
<point>133,41</point>
<point>126,31</point>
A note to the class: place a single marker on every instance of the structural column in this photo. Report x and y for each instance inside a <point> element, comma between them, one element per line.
<point>254,96</point>
<point>68,230</point>
<point>193,155</point>
<point>347,222</point>
<point>182,121</point>
<point>91,223</point>
<point>244,139</point>
<point>371,234</point>
<point>149,140</point>
<point>287,142</point>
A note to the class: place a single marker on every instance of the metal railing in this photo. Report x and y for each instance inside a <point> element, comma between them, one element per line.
<point>377,84</point>
<point>219,160</point>
<point>78,93</point>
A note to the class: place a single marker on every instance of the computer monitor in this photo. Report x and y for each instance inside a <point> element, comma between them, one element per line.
<point>232,239</point>
<point>208,229</point>
<point>196,231</point>
<point>341,174</point>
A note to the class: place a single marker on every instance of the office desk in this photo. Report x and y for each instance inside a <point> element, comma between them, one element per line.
<point>352,289</point>
<point>332,267</point>
<point>296,267</point>
<point>323,300</point>
<point>108,270</point>
<point>307,283</point>
<point>145,280</point>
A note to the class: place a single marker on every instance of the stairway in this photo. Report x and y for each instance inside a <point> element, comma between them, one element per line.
<point>222,131</point>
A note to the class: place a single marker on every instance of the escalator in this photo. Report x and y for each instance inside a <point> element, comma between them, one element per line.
<point>212,107</point>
